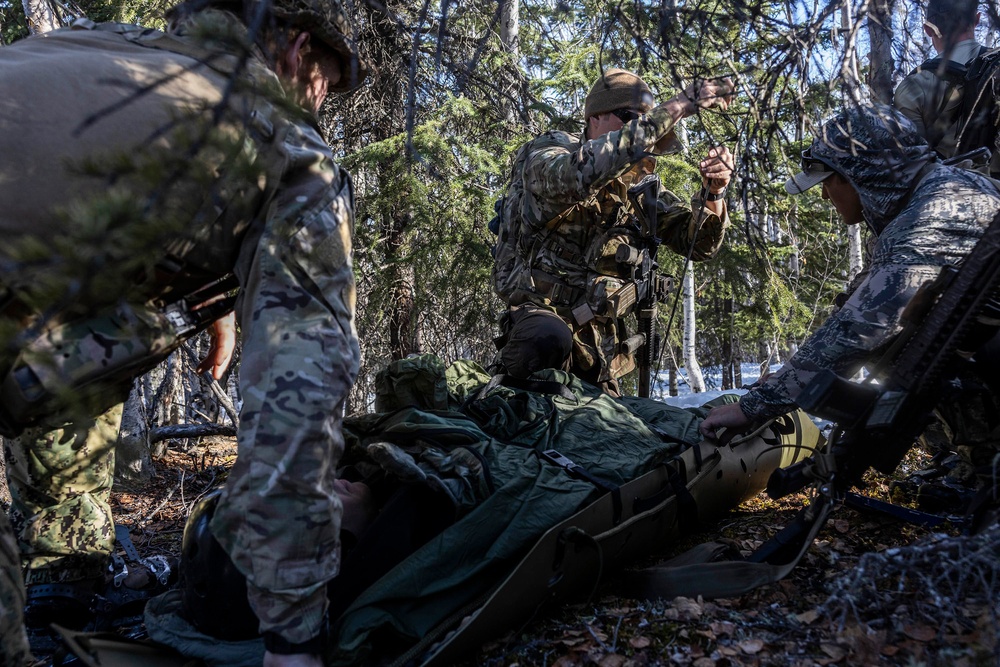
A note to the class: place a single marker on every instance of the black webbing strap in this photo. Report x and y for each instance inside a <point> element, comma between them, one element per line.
<point>524,384</point>
<point>667,437</point>
<point>557,459</point>
<point>687,506</point>
<point>859,502</point>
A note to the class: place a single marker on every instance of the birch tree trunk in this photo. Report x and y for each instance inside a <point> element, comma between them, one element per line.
<point>42,15</point>
<point>510,26</point>
<point>695,379</point>
<point>854,248</point>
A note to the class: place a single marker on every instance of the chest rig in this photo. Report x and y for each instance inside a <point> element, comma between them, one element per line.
<point>598,258</point>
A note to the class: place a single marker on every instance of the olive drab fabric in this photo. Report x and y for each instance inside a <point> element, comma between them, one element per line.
<point>141,143</point>
<point>570,205</point>
<point>483,452</point>
<point>926,215</point>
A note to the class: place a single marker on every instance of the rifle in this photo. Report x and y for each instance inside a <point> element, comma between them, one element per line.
<point>877,424</point>
<point>650,287</point>
<point>90,362</point>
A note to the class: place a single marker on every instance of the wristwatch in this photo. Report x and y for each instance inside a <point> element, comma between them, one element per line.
<point>708,196</point>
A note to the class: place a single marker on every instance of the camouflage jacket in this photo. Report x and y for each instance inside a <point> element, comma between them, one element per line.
<point>183,149</point>
<point>936,225</point>
<point>571,204</point>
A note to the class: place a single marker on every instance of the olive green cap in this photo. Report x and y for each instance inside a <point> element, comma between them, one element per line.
<point>618,89</point>
<point>327,21</point>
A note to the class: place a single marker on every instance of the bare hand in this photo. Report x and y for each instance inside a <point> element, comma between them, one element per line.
<point>716,169</point>
<point>220,353</point>
<point>708,93</point>
<point>724,416</point>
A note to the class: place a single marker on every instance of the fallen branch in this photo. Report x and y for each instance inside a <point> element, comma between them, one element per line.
<point>178,431</point>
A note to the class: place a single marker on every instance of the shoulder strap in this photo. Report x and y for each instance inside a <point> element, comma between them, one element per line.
<point>952,71</point>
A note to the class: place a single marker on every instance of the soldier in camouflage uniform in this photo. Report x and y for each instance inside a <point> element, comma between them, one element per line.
<point>582,220</point>
<point>931,95</point>
<point>875,167</point>
<point>201,146</point>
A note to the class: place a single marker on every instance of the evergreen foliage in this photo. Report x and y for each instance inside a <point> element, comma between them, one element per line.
<point>430,139</point>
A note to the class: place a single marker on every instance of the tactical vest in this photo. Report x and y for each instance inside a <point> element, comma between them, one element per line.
<point>593,258</point>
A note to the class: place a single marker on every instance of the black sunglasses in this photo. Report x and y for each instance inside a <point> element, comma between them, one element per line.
<point>626,115</point>
<point>812,163</point>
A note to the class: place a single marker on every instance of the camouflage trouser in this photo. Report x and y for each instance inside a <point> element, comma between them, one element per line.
<point>60,483</point>
<point>971,422</point>
<point>13,641</point>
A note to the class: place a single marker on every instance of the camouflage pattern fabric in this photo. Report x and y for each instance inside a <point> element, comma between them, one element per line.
<point>257,194</point>
<point>60,484</point>
<point>566,213</point>
<point>13,639</point>
<point>279,518</point>
<point>932,103</point>
<point>879,152</point>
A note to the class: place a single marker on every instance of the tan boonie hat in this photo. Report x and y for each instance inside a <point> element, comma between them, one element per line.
<point>327,21</point>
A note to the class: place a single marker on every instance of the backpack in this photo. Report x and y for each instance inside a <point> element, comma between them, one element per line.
<point>508,249</point>
<point>978,115</point>
<point>980,111</point>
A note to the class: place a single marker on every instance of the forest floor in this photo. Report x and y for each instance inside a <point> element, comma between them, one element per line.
<point>888,617</point>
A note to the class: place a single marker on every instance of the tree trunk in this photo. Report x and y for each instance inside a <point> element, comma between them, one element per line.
<point>4,490</point>
<point>882,64</point>
<point>855,254</point>
<point>673,389</point>
<point>41,14</point>
<point>510,26</point>
<point>133,460</point>
<point>403,326</point>
<point>695,379</point>
<point>727,347</point>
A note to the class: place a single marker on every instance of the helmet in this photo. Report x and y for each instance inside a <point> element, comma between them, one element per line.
<point>213,591</point>
<point>327,21</point>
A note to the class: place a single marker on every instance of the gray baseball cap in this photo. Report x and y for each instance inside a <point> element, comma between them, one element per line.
<point>813,172</point>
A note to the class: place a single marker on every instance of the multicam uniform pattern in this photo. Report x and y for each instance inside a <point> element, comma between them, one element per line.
<point>566,212</point>
<point>926,215</point>
<point>282,221</point>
